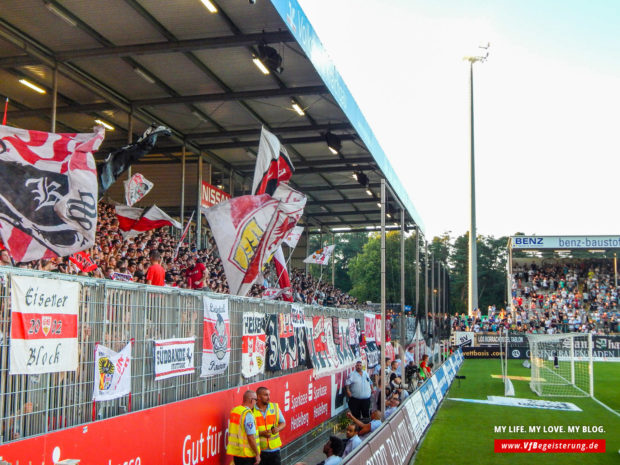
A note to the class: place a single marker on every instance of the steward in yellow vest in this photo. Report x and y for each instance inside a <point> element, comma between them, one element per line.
<point>269,423</point>
<point>242,433</point>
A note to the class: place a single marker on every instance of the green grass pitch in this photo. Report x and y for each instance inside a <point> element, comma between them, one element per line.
<point>464,432</point>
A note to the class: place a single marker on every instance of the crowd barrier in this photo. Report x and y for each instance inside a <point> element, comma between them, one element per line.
<point>56,411</point>
<point>395,442</point>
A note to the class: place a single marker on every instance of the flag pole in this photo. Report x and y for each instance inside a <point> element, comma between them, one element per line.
<point>6,107</point>
<point>316,289</point>
<point>290,254</point>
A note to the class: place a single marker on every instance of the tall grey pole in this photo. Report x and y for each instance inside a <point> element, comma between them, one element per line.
<point>129,137</point>
<point>382,325</point>
<point>426,286</point>
<point>417,271</point>
<point>433,297</point>
<point>183,155</point>
<point>334,262</point>
<point>403,318</point>
<point>439,303</point>
<point>472,301</point>
<point>307,246</point>
<point>198,201</point>
<point>54,98</point>
<point>472,288</point>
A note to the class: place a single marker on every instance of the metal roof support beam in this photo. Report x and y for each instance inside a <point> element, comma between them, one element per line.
<point>277,131</point>
<point>240,40</point>
<point>219,97</point>
<point>231,96</point>
<point>254,142</point>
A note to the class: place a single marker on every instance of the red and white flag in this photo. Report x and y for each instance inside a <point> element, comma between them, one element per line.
<point>48,192</point>
<point>44,325</point>
<point>321,256</point>
<point>83,261</point>
<point>112,373</point>
<point>273,166</point>
<point>133,221</point>
<point>136,188</point>
<point>293,237</point>
<point>249,229</point>
<point>272,293</point>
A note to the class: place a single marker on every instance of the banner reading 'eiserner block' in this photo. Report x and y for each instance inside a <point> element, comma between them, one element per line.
<point>44,325</point>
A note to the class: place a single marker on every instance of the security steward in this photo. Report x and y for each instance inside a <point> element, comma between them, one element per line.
<point>242,434</point>
<point>269,423</point>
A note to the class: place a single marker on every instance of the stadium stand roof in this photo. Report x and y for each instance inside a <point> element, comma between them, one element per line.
<point>177,64</point>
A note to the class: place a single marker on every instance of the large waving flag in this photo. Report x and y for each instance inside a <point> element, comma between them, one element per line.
<point>48,192</point>
<point>249,229</point>
<point>273,166</point>
<point>133,221</point>
<point>321,256</point>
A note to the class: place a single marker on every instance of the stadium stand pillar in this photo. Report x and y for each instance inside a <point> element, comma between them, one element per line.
<point>382,326</point>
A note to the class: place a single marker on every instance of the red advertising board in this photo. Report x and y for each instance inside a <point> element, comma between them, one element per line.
<point>211,195</point>
<point>187,432</point>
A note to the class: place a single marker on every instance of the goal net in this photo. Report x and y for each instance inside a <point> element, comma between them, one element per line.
<point>561,364</point>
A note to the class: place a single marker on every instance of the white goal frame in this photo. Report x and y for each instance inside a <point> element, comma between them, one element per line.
<point>561,367</point>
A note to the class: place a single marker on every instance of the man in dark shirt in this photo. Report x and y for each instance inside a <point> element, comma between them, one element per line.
<point>156,274</point>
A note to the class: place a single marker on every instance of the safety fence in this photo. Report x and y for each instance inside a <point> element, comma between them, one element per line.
<point>114,313</point>
<point>395,442</point>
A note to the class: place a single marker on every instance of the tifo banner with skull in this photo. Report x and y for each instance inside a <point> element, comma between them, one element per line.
<point>216,337</point>
<point>253,344</point>
<point>112,373</point>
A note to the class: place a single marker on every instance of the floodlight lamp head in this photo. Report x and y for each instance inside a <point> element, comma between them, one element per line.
<point>271,58</point>
<point>361,178</point>
<point>333,142</point>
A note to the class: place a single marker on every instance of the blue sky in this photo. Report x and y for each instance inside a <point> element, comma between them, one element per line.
<point>547,106</point>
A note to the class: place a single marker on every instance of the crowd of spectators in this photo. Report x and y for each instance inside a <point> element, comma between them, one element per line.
<point>552,298</point>
<point>129,259</point>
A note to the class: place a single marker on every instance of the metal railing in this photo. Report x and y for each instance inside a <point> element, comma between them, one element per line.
<point>114,313</point>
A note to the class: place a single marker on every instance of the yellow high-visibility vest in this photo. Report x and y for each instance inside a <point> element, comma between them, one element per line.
<point>264,423</point>
<point>238,444</point>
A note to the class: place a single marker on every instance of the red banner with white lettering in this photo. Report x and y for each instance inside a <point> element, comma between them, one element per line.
<point>187,432</point>
<point>83,261</point>
<point>211,195</point>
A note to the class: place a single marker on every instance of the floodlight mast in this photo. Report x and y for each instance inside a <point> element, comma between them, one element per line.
<point>472,300</point>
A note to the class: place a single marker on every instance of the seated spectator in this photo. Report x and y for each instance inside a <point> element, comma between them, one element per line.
<point>332,450</point>
<point>365,428</point>
<point>353,439</point>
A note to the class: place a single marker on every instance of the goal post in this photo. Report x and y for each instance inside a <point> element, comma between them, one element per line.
<point>509,389</point>
<point>561,364</point>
